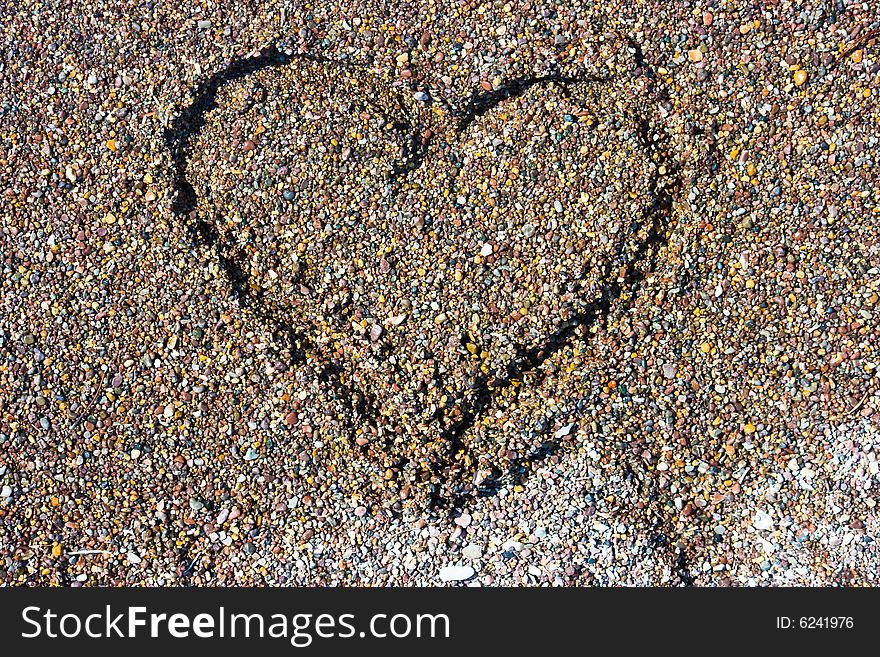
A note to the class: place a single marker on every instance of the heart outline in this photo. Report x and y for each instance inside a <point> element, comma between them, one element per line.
<point>192,119</point>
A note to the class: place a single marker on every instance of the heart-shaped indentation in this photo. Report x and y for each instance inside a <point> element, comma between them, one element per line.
<point>422,257</point>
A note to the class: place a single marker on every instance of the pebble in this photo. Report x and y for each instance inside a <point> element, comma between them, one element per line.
<point>456,573</point>
<point>473,552</point>
<point>762,521</point>
<point>562,432</point>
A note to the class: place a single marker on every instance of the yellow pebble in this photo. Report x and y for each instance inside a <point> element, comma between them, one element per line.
<point>112,145</point>
<point>749,428</point>
<point>705,347</point>
<point>800,77</point>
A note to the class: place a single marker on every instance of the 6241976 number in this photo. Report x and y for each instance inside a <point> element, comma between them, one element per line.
<point>826,622</point>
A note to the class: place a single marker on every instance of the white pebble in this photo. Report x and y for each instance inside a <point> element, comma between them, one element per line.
<point>762,520</point>
<point>456,573</point>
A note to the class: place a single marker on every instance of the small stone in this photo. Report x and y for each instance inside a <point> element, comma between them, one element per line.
<point>422,97</point>
<point>800,76</point>
<point>5,492</point>
<point>695,55</point>
<point>487,249</point>
<point>564,431</point>
<point>472,552</point>
<point>251,455</point>
<point>456,573</point>
<point>360,511</point>
<point>133,558</point>
<point>762,521</point>
<point>557,205</point>
<point>376,331</point>
<point>463,520</point>
<point>708,18</point>
<point>195,505</point>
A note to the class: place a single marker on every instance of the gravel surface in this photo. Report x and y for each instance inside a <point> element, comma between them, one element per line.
<point>409,294</point>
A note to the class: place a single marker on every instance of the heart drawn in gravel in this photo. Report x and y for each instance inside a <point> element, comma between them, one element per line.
<point>424,260</point>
